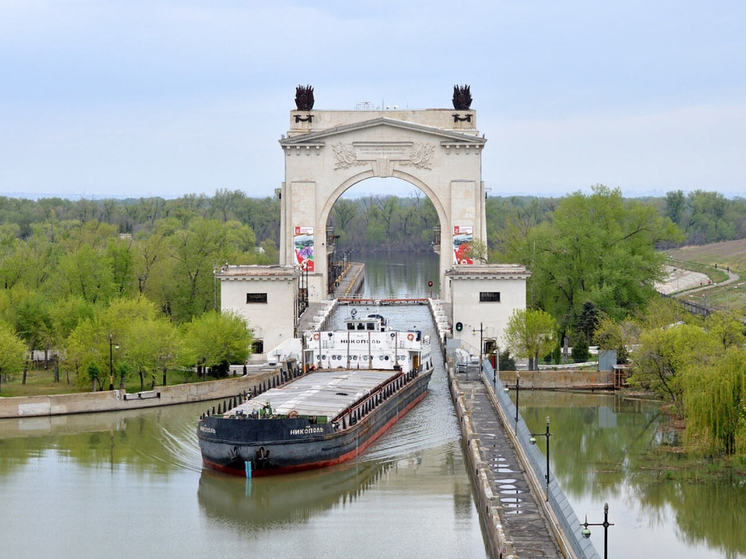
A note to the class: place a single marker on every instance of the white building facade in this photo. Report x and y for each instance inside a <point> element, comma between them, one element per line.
<point>483,298</point>
<point>266,297</point>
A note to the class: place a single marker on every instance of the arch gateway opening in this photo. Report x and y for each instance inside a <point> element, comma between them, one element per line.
<point>438,151</point>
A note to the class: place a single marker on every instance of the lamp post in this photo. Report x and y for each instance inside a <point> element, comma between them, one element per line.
<point>587,533</point>
<point>532,440</point>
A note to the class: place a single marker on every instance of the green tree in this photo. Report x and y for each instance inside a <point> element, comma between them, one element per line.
<point>611,334</point>
<point>663,354</point>
<point>597,248</point>
<point>150,345</point>
<point>727,328</point>
<point>530,333</point>
<point>215,338</point>
<point>86,273</point>
<point>715,403</point>
<point>12,351</point>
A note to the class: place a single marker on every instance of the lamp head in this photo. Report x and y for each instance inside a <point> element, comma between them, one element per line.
<point>506,389</point>
<point>532,440</point>
<point>586,533</point>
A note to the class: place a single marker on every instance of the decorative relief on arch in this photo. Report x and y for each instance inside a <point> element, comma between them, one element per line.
<point>406,153</point>
<point>345,156</point>
<point>421,156</point>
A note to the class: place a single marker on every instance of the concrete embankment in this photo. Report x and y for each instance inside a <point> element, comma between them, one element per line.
<point>116,400</point>
<point>514,517</point>
<point>571,379</point>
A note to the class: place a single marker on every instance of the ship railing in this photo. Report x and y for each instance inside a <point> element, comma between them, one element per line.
<point>355,413</point>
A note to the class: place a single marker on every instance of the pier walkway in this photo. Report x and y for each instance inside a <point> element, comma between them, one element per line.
<point>350,281</point>
<point>520,514</point>
<point>522,517</point>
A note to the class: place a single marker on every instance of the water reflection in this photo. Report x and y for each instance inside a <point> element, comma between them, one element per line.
<point>400,275</point>
<point>159,440</point>
<point>608,448</point>
<point>284,499</point>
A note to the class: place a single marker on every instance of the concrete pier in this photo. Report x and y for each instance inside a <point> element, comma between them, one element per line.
<point>350,282</point>
<point>513,513</point>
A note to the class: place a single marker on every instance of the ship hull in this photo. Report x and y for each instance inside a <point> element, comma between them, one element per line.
<point>288,445</point>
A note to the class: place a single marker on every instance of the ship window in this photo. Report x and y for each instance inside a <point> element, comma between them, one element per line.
<point>350,326</point>
<point>365,357</point>
<point>256,298</point>
<point>257,346</point>
<point>489,296</point>
<point>371,326</point>
<point>361,326</point>
<point>354,357</point>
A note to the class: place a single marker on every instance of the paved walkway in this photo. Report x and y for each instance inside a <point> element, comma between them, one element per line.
<point>349,283</point>
<point>522,518</point>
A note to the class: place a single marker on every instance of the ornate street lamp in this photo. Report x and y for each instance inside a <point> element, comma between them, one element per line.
<point>532,440</point>
<point>587,533</point>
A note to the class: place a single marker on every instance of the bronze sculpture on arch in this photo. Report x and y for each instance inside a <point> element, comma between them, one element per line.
<point>304,97</point>
<point>461,97</point>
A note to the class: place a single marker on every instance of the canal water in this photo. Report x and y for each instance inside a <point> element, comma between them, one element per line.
<point>131,484</point>
<point>606,448</point>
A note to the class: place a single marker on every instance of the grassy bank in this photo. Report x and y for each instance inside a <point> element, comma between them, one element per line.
<point>40,382</point>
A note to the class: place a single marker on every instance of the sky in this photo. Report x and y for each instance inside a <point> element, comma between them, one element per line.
<point>153,98</point>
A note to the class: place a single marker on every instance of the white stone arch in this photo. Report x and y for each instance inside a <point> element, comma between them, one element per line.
<point>437,151</point>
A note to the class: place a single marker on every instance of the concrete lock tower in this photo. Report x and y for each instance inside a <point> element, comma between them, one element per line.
<point>439,151</point>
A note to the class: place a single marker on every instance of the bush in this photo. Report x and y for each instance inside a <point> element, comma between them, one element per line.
<point>507,363</point>
<point>580,350</point>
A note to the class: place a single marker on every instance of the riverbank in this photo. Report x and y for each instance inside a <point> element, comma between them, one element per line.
<point>118,400</point>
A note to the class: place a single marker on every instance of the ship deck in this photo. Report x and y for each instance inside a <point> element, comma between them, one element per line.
<point>322,393</point>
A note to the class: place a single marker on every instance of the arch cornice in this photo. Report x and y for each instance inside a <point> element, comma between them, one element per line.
<point>315,139</point>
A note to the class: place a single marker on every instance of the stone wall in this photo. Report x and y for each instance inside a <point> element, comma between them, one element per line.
<point>115,400</point>
<point>557,380</point>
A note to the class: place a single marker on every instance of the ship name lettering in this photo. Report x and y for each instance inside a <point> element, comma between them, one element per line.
<point>307,431</point>
<point>206,429</point>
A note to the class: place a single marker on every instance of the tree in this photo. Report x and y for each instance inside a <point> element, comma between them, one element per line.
<point>216,338</point>
<point>663,354</point>
<point>726,328</point>
<point>478,251</point>
<point>611,334</point>
<point>34,323</point>
<point>598,248</point>
<point>94,373</point>
<point>715,403</point>
<point>149,345</point>
<point>12,351</point>
<point>86,273</point>
<point>530,333</point>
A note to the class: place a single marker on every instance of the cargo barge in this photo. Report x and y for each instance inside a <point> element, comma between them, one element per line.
<point>366,378</point>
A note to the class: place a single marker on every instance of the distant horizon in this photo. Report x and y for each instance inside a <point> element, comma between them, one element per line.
<point>96,197</point>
